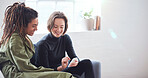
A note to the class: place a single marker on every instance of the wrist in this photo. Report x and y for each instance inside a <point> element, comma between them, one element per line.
<point>59,68</point>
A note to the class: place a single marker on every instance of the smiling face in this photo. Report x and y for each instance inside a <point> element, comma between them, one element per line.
<point>58,28</point>
<point>32,27</point>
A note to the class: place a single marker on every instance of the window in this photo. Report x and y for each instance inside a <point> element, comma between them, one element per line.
<point>73,9</point>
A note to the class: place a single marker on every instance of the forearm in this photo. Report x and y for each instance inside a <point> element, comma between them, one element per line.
<point>59,68</point>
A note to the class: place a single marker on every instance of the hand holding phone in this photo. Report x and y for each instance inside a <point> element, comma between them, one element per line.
<point>74,62</point>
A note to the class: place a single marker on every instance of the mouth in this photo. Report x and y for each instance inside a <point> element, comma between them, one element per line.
<point>32,33</point>
<point>57,33</point>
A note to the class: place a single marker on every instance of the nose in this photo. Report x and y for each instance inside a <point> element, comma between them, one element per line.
<point>36,28</point>
<point>58,29</point>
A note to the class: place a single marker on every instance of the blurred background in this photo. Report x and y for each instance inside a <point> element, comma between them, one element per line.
<point>121,42</point>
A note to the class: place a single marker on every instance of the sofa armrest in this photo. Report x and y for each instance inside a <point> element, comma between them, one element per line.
<point>96,68</point>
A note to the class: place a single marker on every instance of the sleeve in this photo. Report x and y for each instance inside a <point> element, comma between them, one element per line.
<point>18,55</point>
<point>42,55</point>
<point>69,47</point>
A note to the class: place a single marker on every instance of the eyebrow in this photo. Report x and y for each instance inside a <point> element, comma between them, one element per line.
<point>57,25</point>
<point>35,24</point>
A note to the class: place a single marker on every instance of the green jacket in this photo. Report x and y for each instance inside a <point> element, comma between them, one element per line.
<point>15,58</point>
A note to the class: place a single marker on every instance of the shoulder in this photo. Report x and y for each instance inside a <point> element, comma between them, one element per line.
<point>45,37</point>
<point>16,41</point>
<point>43,40</point>
<point>41,43</point>
<point>15,38</point>
<point>66,36</point>
<point>15,35</point>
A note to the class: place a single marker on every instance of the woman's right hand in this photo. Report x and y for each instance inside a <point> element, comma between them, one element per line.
<point>65,62</point>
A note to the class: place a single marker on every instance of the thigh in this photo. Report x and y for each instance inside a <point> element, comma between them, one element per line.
<point>80,68</point>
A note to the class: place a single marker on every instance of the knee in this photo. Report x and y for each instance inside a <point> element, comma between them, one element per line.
<point>86,64</point>
<point>87,61</point>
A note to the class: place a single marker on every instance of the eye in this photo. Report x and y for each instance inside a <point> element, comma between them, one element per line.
<point>55,26</point>
<point>61,27</point>
<point>33,26</point>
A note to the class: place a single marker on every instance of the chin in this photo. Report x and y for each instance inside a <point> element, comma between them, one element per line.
<point>30,34</point>
<point>57,36</point>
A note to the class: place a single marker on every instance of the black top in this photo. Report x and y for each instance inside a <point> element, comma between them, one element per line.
<point>50,50</point>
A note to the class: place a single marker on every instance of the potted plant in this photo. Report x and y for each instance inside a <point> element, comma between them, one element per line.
<point>88,21</point>
<point>87,15</point>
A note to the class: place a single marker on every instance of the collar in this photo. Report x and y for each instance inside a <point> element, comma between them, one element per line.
<point>52,37</point>
<point>30,44</point>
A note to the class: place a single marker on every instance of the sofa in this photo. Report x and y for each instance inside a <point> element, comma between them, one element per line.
<point>96,68</point>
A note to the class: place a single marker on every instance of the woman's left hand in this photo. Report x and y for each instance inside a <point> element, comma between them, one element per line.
<point>74,62</point>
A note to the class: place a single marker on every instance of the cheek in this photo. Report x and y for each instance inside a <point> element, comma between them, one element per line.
<point>53,29</point>
<point>63,29</point>
<point>31,30</point>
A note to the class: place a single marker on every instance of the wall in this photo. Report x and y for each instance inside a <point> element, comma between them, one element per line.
<point>121,44</point>
<point>125,54</point>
